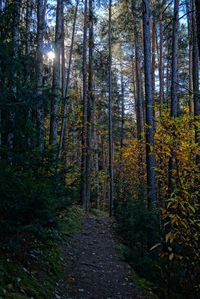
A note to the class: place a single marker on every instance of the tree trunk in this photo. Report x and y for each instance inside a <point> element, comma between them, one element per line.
<point>161,89</point>
<point>15,44</point>
<point>197,2</point>
<point>41,10</point>
<point>153,56</point>
<point>174,97</point>
<point>65,97</point>
<point>189,25</point>
<point>110,112</point>
<point>28,26</point>
<point>56,87</point>
<point>195,76</point>
<point>150,157</point>
<point>139,98</point>
<point>122,110</point>
<point>84,170</point>
<point>174,68</point>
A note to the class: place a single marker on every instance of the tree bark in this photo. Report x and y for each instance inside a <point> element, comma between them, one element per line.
<point>150,157</point>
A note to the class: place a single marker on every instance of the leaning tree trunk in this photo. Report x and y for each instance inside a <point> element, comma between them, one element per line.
<point>56,86</point>
<point>41,10</point>
<point>150,157</point>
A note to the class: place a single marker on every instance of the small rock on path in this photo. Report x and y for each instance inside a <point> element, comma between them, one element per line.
<point>93,267</point>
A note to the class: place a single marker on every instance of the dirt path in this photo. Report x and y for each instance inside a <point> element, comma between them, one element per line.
<point>93,267</point>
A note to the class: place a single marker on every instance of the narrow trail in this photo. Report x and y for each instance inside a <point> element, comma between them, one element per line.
<point>93,266</point>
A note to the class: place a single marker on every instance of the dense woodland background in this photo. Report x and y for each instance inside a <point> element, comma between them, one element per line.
<point>99,107</point>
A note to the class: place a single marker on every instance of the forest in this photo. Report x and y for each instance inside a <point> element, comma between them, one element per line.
<point>99,149</point>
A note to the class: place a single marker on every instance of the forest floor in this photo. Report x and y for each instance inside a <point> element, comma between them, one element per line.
<point>93,267</point>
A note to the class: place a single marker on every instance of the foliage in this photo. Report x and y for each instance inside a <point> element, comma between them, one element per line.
<point>179,213</point>
<point>30,199</point>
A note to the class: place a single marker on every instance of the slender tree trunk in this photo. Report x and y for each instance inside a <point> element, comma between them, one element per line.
<point>139,98</point>
<point>153,56</point>
<point>122,110</point>
<point>15,44</point>
<point>110,112</point>
<point>189,24</point>
<point>174,97</point>
<point>197,3</point>
<point>161,89</point>
<point>150,157</point>
<point>84,174</point>
<point>96,155</point>
<point>65,97</point>
<point>56,87</point>
<point>1,9</point>
<point>41,10</point>
<point>174,69</point>
<point>28,26</point>
<point>90,92</point>
<point>195,75</point>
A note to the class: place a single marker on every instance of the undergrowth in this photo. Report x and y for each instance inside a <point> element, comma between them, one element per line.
<point>34,273</point>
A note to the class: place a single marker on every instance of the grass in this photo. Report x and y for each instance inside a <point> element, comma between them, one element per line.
<point>35,275</point>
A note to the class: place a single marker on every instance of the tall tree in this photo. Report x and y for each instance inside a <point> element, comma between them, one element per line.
<point>161,89</point>
<point>153,55</point>
<point>66,92</point>
<point>174,65</point>
<point>189,24</point>
<point>150,157</point>
<point>122,110</point>
<point>174,96</point>
<point>110,111</point>
<point>195,73</point>
<point>15,53</point>
<point>197,2</point>
<point>85,164</point>
<point>138,76</point>
<point>41,10</point>
<point>56,86</point>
